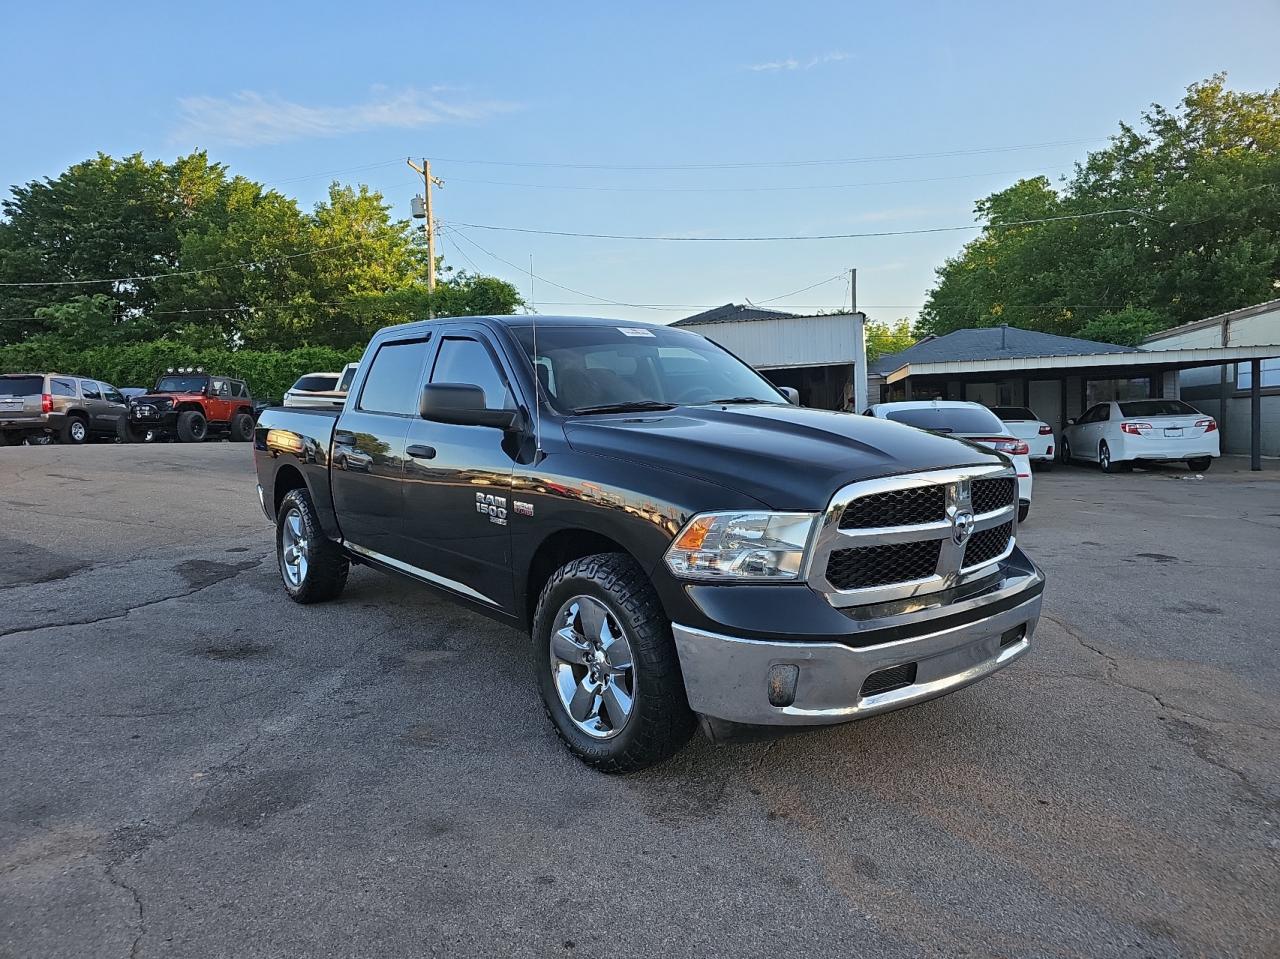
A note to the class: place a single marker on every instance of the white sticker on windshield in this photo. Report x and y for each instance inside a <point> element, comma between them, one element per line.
<point>634,331</point>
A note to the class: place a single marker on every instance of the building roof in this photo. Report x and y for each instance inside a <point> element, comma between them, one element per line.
<point>1216,320</point>
<point>992,343</point>
<point>730,313</point>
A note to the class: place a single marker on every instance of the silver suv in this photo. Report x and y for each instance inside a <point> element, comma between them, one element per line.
<point>44,407</point>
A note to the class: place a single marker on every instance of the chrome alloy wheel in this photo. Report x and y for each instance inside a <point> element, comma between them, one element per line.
<point>78,431</point>
<point>592,668</point>
<point>295,552</point>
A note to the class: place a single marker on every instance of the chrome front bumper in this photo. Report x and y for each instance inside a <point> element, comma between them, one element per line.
<point>730,678</point>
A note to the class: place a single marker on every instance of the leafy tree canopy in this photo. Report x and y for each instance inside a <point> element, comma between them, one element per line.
<point>226,262</point>
<point>1202,182</point>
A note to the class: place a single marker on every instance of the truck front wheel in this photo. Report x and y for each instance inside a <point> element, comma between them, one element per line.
<point>606,665</point>
<point>192,427</point>
<point>312,567</point>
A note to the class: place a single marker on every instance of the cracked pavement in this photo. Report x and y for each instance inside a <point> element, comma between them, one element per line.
<point>190,765</point>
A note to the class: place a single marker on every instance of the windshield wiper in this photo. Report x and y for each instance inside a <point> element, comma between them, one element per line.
<point>634,406</point>
<point>738,399</point>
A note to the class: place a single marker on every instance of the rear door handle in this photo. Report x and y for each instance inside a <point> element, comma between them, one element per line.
<point>421,452</point>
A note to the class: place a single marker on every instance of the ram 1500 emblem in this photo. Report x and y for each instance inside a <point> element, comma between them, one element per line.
<point>495,507</point>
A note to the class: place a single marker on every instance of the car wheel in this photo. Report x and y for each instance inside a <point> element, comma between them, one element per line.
<point>74,432</point>
<point>125,432</point>
<point>1064,452</point>
<point>606,665</point>
<point>39,439</point>
<point>241,428</point>
<point>1200,464</point>
<point>312,566</point>
<point>1023,510</point>
<point>192,427</point>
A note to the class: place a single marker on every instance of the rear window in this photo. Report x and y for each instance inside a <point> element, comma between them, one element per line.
<point>1013,414</point>
<point>348,375</point>
<point>964,419</point>
<point>1158,408</point>
<point>316,383</point>
<point>392,383</point>
<point>21,385</point>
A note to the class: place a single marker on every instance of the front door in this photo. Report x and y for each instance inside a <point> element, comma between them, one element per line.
<point>458,480</point>
<point>367,473</point>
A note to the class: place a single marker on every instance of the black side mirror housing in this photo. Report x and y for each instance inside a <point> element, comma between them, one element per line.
<point>463,405</point>
<point>791,393</point>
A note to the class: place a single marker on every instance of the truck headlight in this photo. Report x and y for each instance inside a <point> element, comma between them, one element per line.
<point>741,546</point>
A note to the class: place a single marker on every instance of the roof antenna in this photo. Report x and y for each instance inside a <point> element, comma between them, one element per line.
<point>537,380</point>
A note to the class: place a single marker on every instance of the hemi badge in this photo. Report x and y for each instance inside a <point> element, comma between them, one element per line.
<point>524,509</point>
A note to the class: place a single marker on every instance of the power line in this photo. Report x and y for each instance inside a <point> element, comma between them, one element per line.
<point>830,279</point>
<point>743,189</point>
<point>758,164</point>
<point>817,236</point>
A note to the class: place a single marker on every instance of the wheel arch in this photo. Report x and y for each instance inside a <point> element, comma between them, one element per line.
<point>288,478</point>
<point>558,548</point>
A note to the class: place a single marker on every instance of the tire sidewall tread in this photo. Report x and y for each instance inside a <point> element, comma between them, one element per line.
<point>327,565</point>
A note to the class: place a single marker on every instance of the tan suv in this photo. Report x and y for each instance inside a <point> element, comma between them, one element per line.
<point>39,407</point>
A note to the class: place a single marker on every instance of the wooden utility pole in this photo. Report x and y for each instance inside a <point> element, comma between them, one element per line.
<point>859,347</point>
<point>428,181</point>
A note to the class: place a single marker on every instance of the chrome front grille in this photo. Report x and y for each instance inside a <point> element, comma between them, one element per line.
<point>903,536</point>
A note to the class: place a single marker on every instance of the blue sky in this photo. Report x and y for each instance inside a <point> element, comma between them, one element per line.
<point>286,93</point>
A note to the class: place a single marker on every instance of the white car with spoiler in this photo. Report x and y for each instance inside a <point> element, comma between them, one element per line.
<point>1116,434</point>
<point>1035,432</point>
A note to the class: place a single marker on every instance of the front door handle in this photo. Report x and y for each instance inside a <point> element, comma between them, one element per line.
<point>421,452</point>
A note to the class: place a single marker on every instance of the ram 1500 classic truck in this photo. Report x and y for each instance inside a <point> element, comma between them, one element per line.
<point>681,543</point>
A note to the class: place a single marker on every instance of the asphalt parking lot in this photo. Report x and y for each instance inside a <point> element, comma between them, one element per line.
<point>194,766</point>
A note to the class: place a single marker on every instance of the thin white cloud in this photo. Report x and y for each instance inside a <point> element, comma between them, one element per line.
<point>791,63</point>
<point>255,119</point>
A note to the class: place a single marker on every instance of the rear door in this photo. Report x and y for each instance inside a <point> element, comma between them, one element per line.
<point>458,488</point>
<point>117,408</point>
<point>367,464</point>
<point>101,419</point>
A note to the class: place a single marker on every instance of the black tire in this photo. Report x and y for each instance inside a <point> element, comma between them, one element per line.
<point>660,721</point>
<point>74,432</point>
<point>192,427</point>
<point>1200,464</point>
<point>1064,452</point>
<point>241,428</point>
<point>125,432</point>
<point>1023,510</point>
<point>325,573</point>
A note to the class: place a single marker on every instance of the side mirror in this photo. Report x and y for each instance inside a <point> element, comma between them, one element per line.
<point>1071,422</point>
<point>463,405</point>
<point>792,394</point>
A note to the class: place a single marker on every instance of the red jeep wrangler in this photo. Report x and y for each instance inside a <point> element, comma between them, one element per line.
<point>191,405</point>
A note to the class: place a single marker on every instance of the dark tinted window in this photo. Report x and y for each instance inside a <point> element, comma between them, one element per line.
<point>1012,414</point>
<point>182,384</point>
<point>392,383</point>
<point>111,393</point>
<point>348,375</point>
<point>468,361</point>
<point>90,390</point>
<point>942,419</point>
<point>22,385</point>
<point>62,388</point>
<point>1158,408</point>
<point>239,389</point>
<point>316,383</point>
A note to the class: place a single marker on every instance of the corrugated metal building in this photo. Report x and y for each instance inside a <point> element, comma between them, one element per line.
<point>813,354</point>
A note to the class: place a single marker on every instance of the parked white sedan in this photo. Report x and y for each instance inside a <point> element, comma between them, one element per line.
<point>966,421</point>
<point>325,391</point>
<point>1116,434</point>
<point>1038,435</point>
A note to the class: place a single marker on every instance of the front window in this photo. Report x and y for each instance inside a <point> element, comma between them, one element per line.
<point>182,383</point>
<point>582,368</point>
<point>953,419</point>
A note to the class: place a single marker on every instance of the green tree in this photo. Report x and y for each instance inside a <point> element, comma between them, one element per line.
<point>885,338</point>
<point>1200,187</point>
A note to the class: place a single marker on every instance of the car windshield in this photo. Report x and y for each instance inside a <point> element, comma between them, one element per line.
<point>948,419</point>
<point>182,384</point>
<point>1158,408</point>
<point>618,368</point>
<point>1013,414</point>
<point>316,383</point>
<point>21,385</point>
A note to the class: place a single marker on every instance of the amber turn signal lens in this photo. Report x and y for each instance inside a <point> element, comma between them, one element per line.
<point>695,533</point>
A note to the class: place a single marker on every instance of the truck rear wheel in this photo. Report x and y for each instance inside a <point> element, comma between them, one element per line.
<point>192,427</point>
<point>312,567</point>
<point>606,665</point>
<point>241,428</point>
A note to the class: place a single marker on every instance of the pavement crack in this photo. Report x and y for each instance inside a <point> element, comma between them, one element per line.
<point>235,571</point>
<point>116,881</point>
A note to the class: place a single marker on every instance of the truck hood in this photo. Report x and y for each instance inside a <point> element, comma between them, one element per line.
<point>787,457</point>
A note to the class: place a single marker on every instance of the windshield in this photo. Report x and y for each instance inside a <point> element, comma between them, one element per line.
<point>21,385</point>
<point>588,367</point>
<point>182,384</point>
<point>1013,414</point>
<point>954,419</point>
<point>1158,408</point>
<point>316,382</point>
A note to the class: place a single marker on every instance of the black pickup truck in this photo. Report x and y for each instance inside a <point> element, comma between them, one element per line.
<point>680,541</point>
